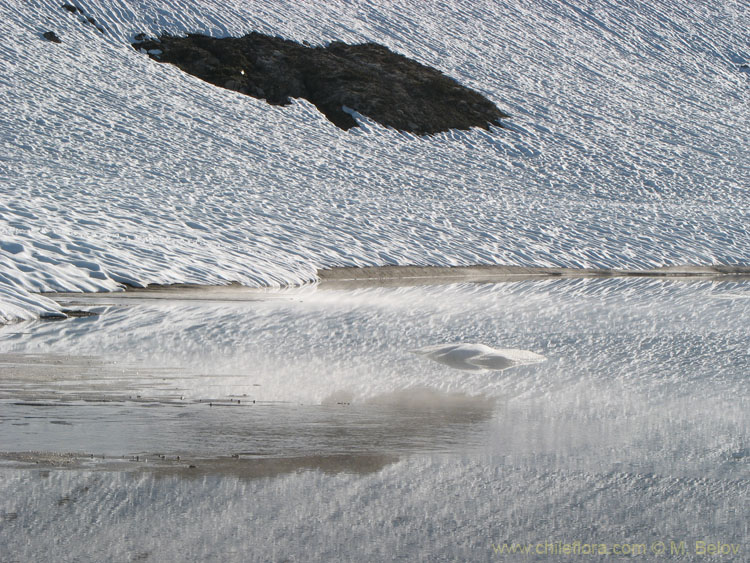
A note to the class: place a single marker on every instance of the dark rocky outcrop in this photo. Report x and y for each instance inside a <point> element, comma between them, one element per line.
<point>368,78</point>
<point>51,36</point>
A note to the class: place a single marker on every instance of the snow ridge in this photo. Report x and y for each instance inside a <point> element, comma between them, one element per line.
<point>627,146</point>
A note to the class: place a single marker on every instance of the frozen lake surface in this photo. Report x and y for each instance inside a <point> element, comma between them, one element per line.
<point>235,424</point>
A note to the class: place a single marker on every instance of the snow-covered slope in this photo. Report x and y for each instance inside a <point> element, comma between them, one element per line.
<point>627,146</point>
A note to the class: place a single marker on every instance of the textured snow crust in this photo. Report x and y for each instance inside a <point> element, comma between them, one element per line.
<point>627,146</point>
<point>316,516</point>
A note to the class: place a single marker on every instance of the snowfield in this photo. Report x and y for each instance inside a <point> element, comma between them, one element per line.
<point>627,146</point>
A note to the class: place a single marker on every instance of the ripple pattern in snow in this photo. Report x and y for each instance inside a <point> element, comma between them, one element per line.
<point>627,146</point>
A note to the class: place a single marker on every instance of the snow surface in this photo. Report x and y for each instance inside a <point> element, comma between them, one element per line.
<point>627,146</point>
<point>317,516</point>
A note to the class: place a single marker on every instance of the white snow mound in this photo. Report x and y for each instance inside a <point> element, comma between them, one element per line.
<point>478,357</point>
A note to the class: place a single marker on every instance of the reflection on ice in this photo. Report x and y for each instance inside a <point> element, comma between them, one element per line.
<point>307,406</point>
<point>633,361</point>
<point>432,400</point>
<point>362,436</point>
<point>658,338</point>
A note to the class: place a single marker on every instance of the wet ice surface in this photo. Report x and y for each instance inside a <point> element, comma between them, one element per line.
<point>634,429</point>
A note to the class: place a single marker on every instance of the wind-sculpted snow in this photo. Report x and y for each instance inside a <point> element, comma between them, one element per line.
<point>626,146</point>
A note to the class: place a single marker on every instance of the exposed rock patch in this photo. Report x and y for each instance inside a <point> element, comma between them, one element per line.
<point>51,36</point>
<point>86,18</point>
<point>368,78</point>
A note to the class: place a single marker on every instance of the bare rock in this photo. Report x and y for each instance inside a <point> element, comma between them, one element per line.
<point>51,36</point>
<point>370,79</point>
